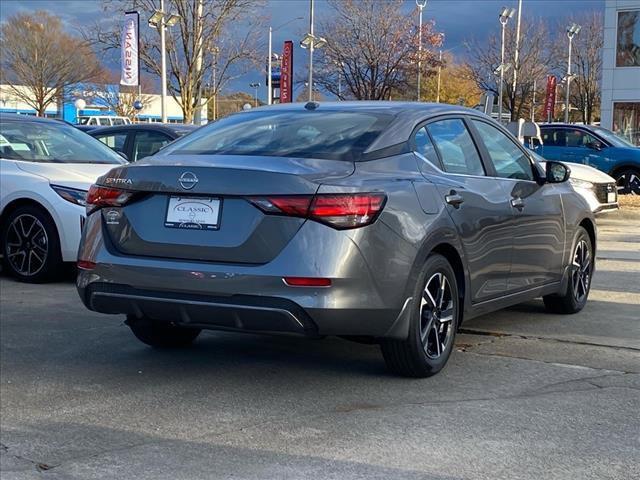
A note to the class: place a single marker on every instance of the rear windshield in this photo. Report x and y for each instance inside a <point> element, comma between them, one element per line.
<point>308,134</point>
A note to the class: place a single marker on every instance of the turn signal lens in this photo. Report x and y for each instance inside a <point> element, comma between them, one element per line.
<point>99,197</point>
<point>340,210</point>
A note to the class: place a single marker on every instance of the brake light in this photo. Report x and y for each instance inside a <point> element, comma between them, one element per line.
<point>339,210</point>
<point>99,197</point>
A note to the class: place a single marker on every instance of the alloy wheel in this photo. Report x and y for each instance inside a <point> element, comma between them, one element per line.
<point>27,245</point>
<point>628,183</point>
<point>437,312</point>
<point>581,276</point>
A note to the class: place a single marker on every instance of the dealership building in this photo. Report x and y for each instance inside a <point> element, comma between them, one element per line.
<point>65,109</point>
<point>620,110</point>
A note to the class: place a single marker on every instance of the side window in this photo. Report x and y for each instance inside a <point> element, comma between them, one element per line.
<point>554,138</point>
<point>115,140</point>
<point>507,158</point>
<point>456,147</point>
<point>104,122</point>
<point>425,147</point>
<point>578,138</point>
<point>148,143</point>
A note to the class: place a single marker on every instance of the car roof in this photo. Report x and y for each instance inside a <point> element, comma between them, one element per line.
<point>155,127</point>
<point>564,125</point>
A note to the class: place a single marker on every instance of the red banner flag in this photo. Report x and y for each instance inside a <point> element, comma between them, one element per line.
<point>286,73</point>
<point>550,99</point>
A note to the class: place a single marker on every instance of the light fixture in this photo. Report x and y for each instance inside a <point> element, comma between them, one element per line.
<point>172,20</point>
<point>506,13</point>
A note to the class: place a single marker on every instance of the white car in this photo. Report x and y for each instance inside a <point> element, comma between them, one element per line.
<point>46,168</point>
<point>597,188</point>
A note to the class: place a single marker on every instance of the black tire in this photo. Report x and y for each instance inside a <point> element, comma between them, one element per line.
<point>414,357</point>
<point>161,334</point>
<point>31,246</point>
<point>575,295</point>
<point>628,181</point>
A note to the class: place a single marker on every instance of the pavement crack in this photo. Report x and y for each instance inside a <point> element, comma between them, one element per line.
<point>40,466</point>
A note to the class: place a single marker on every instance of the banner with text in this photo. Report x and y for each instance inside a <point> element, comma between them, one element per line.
<point>286,73</point>
<point>130,73</point>
<point>550,99</point>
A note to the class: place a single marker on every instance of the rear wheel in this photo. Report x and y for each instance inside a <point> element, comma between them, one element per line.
<point>433,324</point>
<point>161,334</point>
<point>574,298</point>
<point>628,181</point>
<point>30,245</point>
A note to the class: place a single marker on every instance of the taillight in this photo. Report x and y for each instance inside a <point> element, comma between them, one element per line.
<point>99,197</point>
<point>338,210</point>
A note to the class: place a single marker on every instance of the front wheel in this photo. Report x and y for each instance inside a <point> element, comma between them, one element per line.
<point>575,295</point>
<point>628,182</point>
<point>160,334</point>
<point>433,324</point>
<point>30,245</point>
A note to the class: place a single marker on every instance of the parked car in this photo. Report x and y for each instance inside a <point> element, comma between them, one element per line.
<point>596,187</point>
<point>46,168</point>
<point>102,120</point>
<point>385,220</point>
<point>594,146</point>
<point>140,140</point>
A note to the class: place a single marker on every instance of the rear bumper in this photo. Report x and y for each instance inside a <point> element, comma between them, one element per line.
<point>249,313</point>
<point>251,297</point>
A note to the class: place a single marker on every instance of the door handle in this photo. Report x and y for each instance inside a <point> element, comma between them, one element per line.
<point>454,199</point>
<point>517,203</point>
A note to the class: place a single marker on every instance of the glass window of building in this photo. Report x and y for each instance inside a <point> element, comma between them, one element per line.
<point>626,121</point>
<point>628,39</point>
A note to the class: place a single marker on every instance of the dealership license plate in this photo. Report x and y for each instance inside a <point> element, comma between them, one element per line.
<point>195,213</point>
<point>611,197</point>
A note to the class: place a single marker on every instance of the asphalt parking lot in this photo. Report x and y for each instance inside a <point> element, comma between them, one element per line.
<point>527,395</point>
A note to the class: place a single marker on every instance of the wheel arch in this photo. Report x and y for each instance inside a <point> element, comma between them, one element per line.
<point>590,227</point>
<point>26,202</point>
<point>620,167</point>
<point>449,252</point>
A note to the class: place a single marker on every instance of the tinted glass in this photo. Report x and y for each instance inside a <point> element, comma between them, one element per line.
<point>615,139</point>
<point>457,150</point>
<point>307,134</point>
<point>508,160</point>
<point>115,141</point>
<point>578,138</point>
<point>553,137</point>
<point>148,143</point>
<point>53,142</point>
<point>425,147</point>
<point>104,121</point>
<point>118,121</point>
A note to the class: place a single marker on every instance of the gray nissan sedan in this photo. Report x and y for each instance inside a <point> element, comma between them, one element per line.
<point>376,221</point>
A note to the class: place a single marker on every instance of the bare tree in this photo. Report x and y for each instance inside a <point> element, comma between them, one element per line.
<point>203,39</point>
<point>372,50</point>
<point>39,55</point>
<point>536,60</point>
<point>587,57</point>
<point>107,92</point>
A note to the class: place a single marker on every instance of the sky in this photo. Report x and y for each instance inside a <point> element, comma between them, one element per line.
<point>459,20</point>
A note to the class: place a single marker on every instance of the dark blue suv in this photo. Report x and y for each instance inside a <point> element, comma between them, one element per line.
<point>596,147</point>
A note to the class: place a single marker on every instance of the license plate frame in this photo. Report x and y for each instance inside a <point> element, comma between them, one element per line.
<point>191,218</point>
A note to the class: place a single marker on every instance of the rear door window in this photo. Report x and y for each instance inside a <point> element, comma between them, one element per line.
<point>148,143</point>
<point>113,140</point>
<point>457,150</point>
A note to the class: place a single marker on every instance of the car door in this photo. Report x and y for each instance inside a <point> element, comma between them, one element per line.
<point>538,221</point>
<point>554,142</point>
<point>146,143</point>
<point>476,203</point>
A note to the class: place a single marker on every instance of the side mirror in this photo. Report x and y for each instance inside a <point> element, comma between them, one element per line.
<point>123,155</point>
<point>595,145</point>
<point>556,172</point>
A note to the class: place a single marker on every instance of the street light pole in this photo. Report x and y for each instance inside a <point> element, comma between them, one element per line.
<point>256,86</point>
<point>269,80</point>
<point>572,30</point>
<point>163,67</point>
<point>516,54</point>
<point>311,51</point>
<point>505,15</point>
<point>420,4</point>
<point>439,74</point>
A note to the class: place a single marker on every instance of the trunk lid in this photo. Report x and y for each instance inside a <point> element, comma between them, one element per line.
<point>219,184</point>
